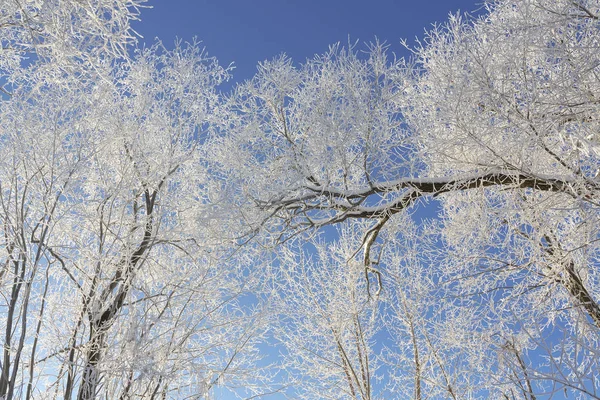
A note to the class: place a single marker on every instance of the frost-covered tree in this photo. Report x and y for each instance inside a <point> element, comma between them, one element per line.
<point>494,123</point>
<point>65,33</point>
<point>126,181</point>
<point>326,322</point>
<point>112,280</point>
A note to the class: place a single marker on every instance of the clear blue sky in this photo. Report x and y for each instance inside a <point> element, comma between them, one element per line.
<point>245,32</point>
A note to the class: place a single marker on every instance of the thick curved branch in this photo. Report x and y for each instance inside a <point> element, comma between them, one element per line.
<point>349,203</point>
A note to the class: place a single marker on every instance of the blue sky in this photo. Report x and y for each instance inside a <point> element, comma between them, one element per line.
<point>245,32</point>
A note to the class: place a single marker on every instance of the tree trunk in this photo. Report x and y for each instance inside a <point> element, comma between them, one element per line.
<point>581,296</point>
<point>91,373</point>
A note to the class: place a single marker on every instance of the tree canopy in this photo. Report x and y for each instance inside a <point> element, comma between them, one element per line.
<point>393,228</point>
